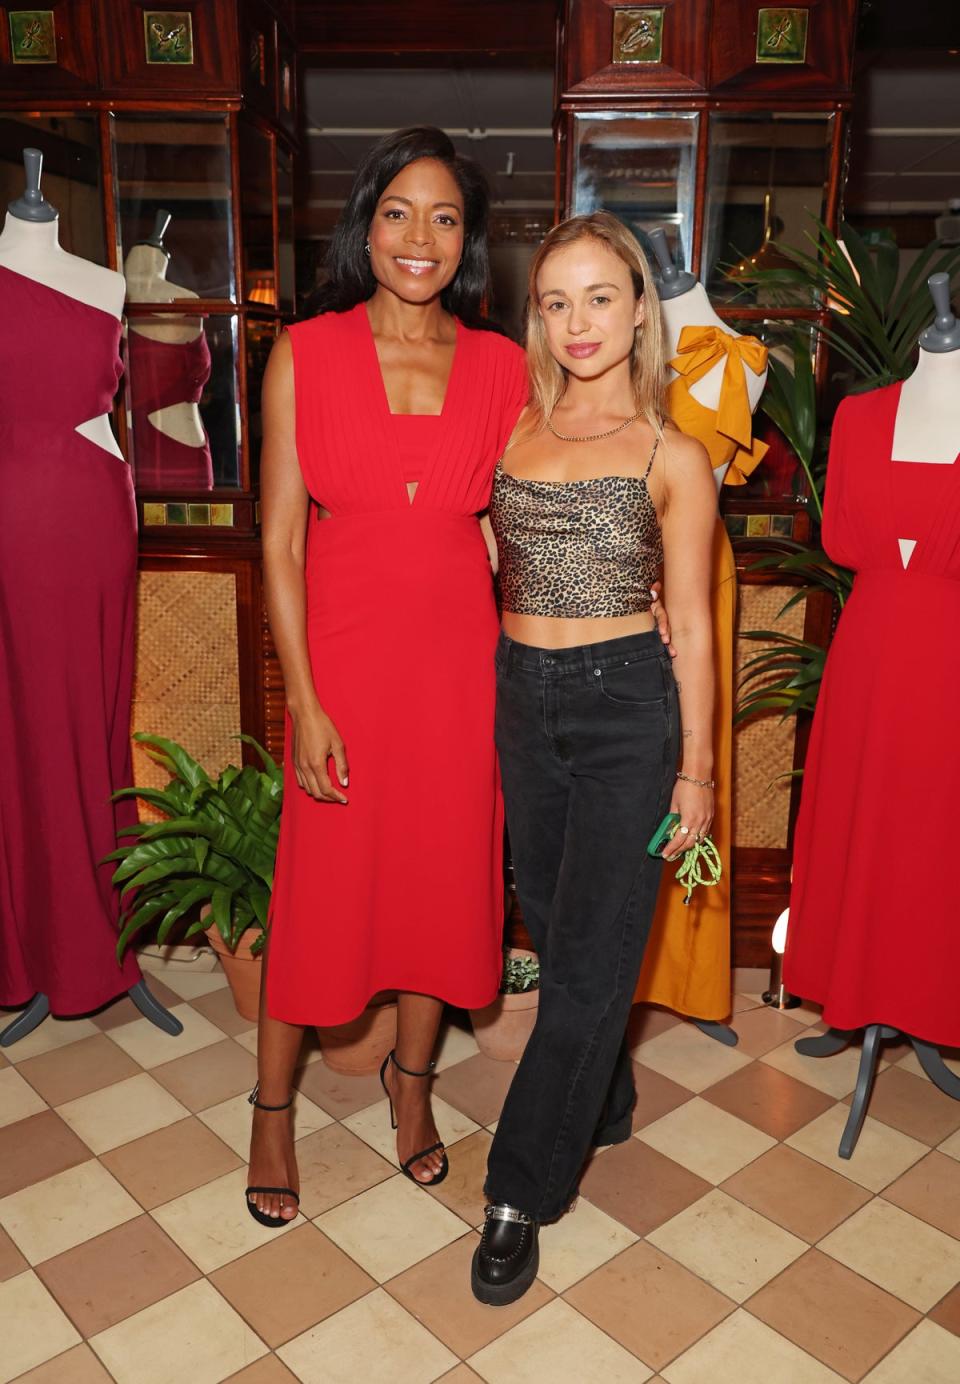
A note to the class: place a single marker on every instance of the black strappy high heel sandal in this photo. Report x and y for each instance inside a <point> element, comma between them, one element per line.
<point>271,1222</point>
<point>405,1167</point>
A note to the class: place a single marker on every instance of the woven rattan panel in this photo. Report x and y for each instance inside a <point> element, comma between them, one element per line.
<point>763,748</point>
<point>187,684</point>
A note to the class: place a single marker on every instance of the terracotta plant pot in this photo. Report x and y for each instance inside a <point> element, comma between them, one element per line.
<point>359,1047</point>
<point>242,969</point>
<point>503,1027</point>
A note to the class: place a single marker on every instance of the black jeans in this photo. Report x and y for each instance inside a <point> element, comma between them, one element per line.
<point>588,740</point>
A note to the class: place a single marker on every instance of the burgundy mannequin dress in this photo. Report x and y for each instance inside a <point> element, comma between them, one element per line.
<point>164,373</point>
<point>68,556</point>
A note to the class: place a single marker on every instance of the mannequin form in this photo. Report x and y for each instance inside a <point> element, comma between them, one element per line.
<point>925,430</point>
<point>55,771</point>
<point>716,381</point>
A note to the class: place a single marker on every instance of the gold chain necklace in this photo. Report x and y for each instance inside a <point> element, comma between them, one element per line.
<point>594,437</point>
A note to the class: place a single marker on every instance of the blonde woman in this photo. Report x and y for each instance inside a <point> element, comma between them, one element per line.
<point>594,496</point>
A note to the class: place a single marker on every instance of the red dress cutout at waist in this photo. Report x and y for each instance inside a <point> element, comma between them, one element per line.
<point>164,373</point>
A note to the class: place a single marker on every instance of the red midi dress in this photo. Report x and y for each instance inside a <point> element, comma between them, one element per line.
<point>873,933</point>
<point>68,572</point>
<point>403,888</point>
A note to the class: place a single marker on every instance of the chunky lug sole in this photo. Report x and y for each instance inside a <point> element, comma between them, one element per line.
<point>502,1294</point>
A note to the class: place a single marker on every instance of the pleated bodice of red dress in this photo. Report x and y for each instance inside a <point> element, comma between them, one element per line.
<point>873,932</point>
<point>402,889</point>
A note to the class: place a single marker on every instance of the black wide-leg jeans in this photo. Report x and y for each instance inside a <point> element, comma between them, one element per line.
<point>588,740</point>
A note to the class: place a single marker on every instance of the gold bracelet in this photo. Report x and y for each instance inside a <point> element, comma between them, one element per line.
<point>699,783</point>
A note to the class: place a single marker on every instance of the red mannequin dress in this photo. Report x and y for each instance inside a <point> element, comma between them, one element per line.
<point>68,561</point>
<point>873,932</point>
<point>164,373</point>
<point>402,889</point>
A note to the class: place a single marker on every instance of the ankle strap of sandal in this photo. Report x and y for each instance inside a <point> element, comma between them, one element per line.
<point>506,1213</point>
<point>408,1071</point>
<point>252,1099</point>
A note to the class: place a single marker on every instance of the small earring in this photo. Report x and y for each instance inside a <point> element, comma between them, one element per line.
<point>366,248</point>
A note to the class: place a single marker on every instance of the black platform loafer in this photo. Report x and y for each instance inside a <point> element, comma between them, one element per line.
<point>506,1260</point>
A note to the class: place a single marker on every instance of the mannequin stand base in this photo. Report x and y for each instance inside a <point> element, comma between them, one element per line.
<point>836,1039</point>
<point>39,1007</point>
<point>723,1033</point>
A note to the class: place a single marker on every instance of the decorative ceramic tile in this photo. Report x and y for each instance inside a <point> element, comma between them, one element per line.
<point>638,35</point>
<point>168,36</point>
<point>34,1327</point>
<point>782,35</point>
<point>33,36</point>
<point>374,1339</point>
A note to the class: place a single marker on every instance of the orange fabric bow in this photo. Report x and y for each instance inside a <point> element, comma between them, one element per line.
<point>698,351</point>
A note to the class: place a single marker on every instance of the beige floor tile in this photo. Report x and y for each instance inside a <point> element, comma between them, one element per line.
<point>212,1224</point>
<point>390,1227</point>
<point>689,1057</point>
<point>881,1154</point>
<point>639,1187</point>
<point>732,1247</point>
<point>76,1366</point>
<point>334,1166</point>
<point>929,1355</point>
<point>462,1189</point>
<point>578,1243</point>
<point>649,1303</point>
<point>308,1279</point>
<point>930,1190</point>
<point>477,1086</point>
<point>797,1193</point>
<point>455,1044</point>
<point>190,983</point>
<point>914,1105</point>
<point>18,1099</point>
<point>760,1030</point>
<point>836,1076</point>
<point>170,1162</point>
<point>768,1099</point>
<point>913,1260</point>
<point>374,1339</point>
<point>150,1046</point>
<point>656,1096</point>
<point>268,1370</point>
<point>34,1327</point>
<point>76,1069</point>
<point>122,1009</point>
<point>231,1121</point>
<point>193,1335</point>
<point>339,1095</point>
<point>12,1261</point>
<point>247,1040</point>
<point>38,1147</point>
<point>126,1110</point>
<point>742,1350</point>
<point>52,1033</point>
<point>951,1145</point>
<point>909,1063</point>
<point>462,1374</point>
<point>372,1125</point>
<point>207,1077</point>
<point>947,1311</point>
<point>706,1139</point>
<point>62,1211</point>
<point>437,1292</point>
<point>841,1319</point>
<point>559,1345</point>
<point>647,1021</point>
<point>108,1278</point>
<point>220,1009</point>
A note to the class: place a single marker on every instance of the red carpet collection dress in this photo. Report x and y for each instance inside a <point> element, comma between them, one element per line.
<point>874,934</point>
<point>68,560</point>
<point>402,889</point>
<point>164,373</point>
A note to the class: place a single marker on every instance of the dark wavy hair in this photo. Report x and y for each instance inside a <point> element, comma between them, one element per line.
<point>350,278</point>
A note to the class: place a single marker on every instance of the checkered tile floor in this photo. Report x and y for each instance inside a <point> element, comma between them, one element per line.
<point>724,1244</point>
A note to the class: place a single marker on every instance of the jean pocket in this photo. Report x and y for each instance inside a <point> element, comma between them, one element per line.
<point>637,684</point>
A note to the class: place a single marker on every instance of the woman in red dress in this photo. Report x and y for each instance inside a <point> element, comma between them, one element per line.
<point>383,419</point>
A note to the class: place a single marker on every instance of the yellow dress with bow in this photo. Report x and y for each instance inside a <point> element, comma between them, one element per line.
<point>686,966</point>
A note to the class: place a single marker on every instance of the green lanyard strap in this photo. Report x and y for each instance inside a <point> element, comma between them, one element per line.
<point>701,864</point>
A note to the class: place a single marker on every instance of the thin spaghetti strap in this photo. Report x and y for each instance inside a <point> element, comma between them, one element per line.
<point>656,444</point>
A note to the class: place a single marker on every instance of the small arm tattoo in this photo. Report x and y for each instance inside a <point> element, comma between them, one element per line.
<point>687,734</point>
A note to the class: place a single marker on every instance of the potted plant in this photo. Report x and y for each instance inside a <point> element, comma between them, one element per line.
<point>503,1027</point>
<point>212,857</point>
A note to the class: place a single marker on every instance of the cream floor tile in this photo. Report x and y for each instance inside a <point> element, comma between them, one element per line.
<point>52,1033</point>
<point>559,1345</point>
<point>150,1046</point>
<point>372,1125</point>
<point>115,1114</point>
<point>742,1350</point>
<point>248,1040</point>
<point>373,1339</point>
<point>196,956</point>
<point>909,1063</point>
<point>836,1076</point>
<point>731,1246</point>
<point>579,1243</point>
<point>707,1140</point>
<point>881,1155</point>
<point>212,1224</point>
<point>34,1327</point>
<point>951,1145</point>
<point>455,1045</point>
<point>18,1099</point>
<point>391,1227</point>
<point>913,1260</point>
<point>51,1216</point>
<point>929,1355</point>
<point>190,984</point>
<point>191,1337</point>
<point>232,1119</point>
<point>689,1057</point>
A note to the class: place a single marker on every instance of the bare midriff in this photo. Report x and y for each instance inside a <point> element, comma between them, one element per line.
<point>550,632</point>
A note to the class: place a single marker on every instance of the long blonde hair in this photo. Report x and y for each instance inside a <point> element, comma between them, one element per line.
<point>548,379</point>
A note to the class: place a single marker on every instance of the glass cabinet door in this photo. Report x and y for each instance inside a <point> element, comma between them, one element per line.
<point>257,214</point>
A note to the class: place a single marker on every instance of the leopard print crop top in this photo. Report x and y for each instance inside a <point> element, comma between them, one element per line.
<point>576,549</point>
